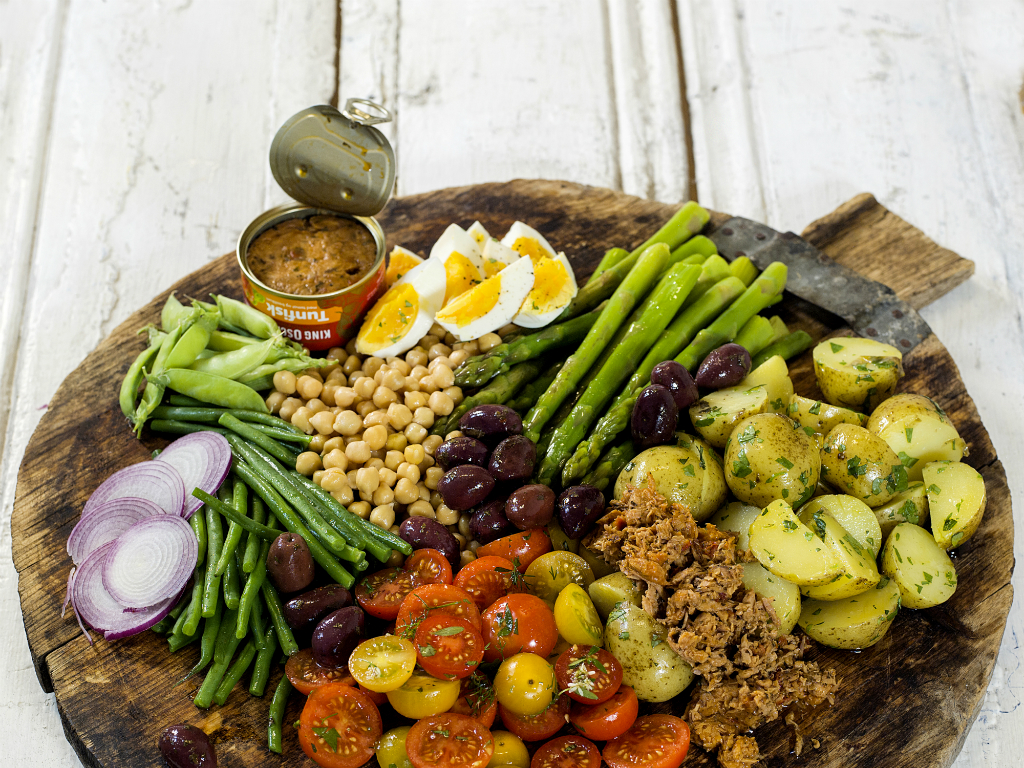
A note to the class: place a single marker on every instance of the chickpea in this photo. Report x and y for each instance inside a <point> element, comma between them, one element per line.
<point>488,341</point>
<point>365,408</point>
<point>376,418</point>
<point>453,434</point>
<point>351,365</point>
<point>399,416</point>
<point>435,499</point>
<point>387,476</point>
<point>471,348</point>
<point>466,557</point>
<point>383,397</point>
<point>396,442</point>
<point>411,384</point>
<point>307,463</point>
<point>316,405</point>
<point>441,404</point>
<point>300,419</point>
<point>364,387</point>
<point>424,416</point>
<point>415,433</point>
<point>358,452</point>
<point>334,442</point>
<point>337,376</point>
<point>450,338</point>
<point>333,479</point>
<point>405,469</point>
<point>474,545</point>
<point>414,400</point>
<point>400,365</point>
<point>393,380</point>
<point>418,372</point>
<point>395,559</point>
<point>371,365</point>
<point>436,330</point>
<point>344,397</point>
<point>443,376</point>
<point>427,463</point>
<point>330,392</point>
<point>455,393</point>
<point>351,477</point>
<point>375,463</point>
<point>367,480</point>
<point>336,459</point>
<point>432,443</point>
<point>360,509</point>
<point>289,407</point>
<point>393,458</point>
<point>343,495</point>
<point>461,539</point>
<point>383,495</point>
<point>317,476</point>
<point>438,350</point>
<point>416,356</point>
<point>433,477</point>
<point>308,387</point>
<point>337,353</point>
<point>414,454</point>
<point>376,437</point>
<point>314,373</point>
<point>425,493</point>
<point>420,509</point>
<point>437,362</point>
<point>347,423</point>
<point>383,516</point>
<point>445,515</point>
<point>317,443</point>
<point>464,524</point>
<point>274,400</point>
<point>322,422</point>
<point>406,492</point>
<point>458,357</point>
<point>285,381</point>
<point>429,385</point>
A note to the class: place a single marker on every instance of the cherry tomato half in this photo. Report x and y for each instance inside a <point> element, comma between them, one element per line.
<point>588,674</point>
<point>448,646</point>
<point>382,663</point>
<point>305,674</point>
<point>430,565</point>
<point>449,739</point>
<point>339,726</point>
<point>521,548</point>
<point>477,699</point>
<point>654,741</point>
<point>537,727</point>
<point>525,684</point>
<point>488,578</point>
<point>609,719</point>
<point>431,598</point>
<point>518,623</point>
<point>567,752</point>
<point>423,696</point>
<point>381,594</point>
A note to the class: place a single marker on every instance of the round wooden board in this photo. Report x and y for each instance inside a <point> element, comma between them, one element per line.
<point>909,701</point>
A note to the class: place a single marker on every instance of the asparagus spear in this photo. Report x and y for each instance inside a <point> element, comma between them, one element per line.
<point>744,269</point>
<point>524,400</point>
<point>714,270</point>
<point>500,389</point>
<point>630,292</point>
<point>659,309</point>
<point>611,257</point>
<point>699,245</point>
<point>755,335</point>
<point>608,468</point>
<point>477,371</point>
<point>788,347</point>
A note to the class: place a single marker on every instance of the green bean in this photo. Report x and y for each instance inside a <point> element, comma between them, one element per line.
<point>163,626</point>
<point>359,536</point>
<point>252,544</point>
<point>230,581</point>
<point>257,623</point>
<point>198,523</point>
<point>208,415</point>
<point>171,427</point>
<point>268,534</point>
<point>176,642</point>
<point>243,316</point>
<point>170,620</point>
<point>195,609</point>
<point>237,363</point>
<point>292,523</point>
<point>276,713</point>
<point>215,537</point>
<point>253,435</point>
<point>212,389</point>
<point>235,672</point>
<point>183,400</point>
<point>224,649</point>
<point>181,618</point>
<point>284,633</point>
<point>261,670</point>
<point>132,380</point>
<point>239,499</point>
<point>284,436</point>
<point>251,592</point>
<point>211,628</point>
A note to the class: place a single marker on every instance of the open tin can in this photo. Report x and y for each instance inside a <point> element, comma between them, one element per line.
<point>334,164</point>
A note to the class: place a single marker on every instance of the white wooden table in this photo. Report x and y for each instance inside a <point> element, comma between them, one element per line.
<point>133,141</point>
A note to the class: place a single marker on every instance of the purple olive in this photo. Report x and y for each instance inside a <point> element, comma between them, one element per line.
<point>306,610</point>
<point>489,522</point>
<point>424,533</point>
<point>185,746</point>
<point>654,418</point>
<point>578,508</point>
<point>461,450</point>
<point>465,486</point>
<point>678,381</point>
<point>290,563</point>
<point>726,366</point>
<point>491,421</point>
<point>513,459</point>
<point>532,506</point>
<point>337,635</point>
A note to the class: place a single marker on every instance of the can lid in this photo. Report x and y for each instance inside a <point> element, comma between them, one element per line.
<point>336,160</point>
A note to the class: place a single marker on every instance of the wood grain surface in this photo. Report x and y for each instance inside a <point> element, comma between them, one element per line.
<point>918,690</point>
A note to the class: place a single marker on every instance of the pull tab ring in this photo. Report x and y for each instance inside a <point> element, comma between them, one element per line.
<point>366,112</point>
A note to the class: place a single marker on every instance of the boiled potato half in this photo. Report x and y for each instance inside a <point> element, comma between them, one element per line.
<point>856,622</point>
<point>859,571</point>
<point>769,457</point>
<point>774,374</point>
<point>788,548</point>
<point>918,431</point>
<point>856,517</point>
<point>857,373</point>
<point>612,589</point>
<point>785,595</point>
<point>862,464</point>
<point>910,506</point>
<point>688,473</point>
<point>736,517</point>
<point>956,498</point>
<point>715,414</point>
<point>920,567</point>
<point>820,417</point>
<point>649,665</point>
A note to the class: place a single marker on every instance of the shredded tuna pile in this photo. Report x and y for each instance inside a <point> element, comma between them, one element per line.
<point>747,676</point>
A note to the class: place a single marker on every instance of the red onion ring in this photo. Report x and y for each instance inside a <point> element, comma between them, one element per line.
<point>203,459</point>
<point>154,480</point>
<point>150,562</point>
<point>105,522</point>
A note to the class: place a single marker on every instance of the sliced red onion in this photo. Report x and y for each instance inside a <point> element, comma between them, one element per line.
<point>100,611</point>
<point>150,562</point>
<point>203,459</point>
<point>67,593</point>
<point>105,522</point>
<point>157,481</point>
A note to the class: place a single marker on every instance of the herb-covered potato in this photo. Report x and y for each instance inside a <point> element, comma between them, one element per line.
<point>820,417</point>
<point>918,431</point>
<point>688,473</point>
<point>785,595</point>
<point>736,517</point>
<point>920,567</point>
<point>649,665</point>
<point>788,548</point>
<point>956,498</point>
<point>774,374</point>
<point>859,570</point>
<point>856,518</point>
<point>769,457</point>
<point>856,622</point>
<point>910,506</point>
<point>857,373</point>
<point>614,588</point>
<point>715,414</point>
<point>862,464</point>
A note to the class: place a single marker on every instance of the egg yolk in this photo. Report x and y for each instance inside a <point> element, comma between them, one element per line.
<point>551,286</point>
<point>399,263</point>
<point>391,316</point>
<point>493,267</point>
<point>529,246</point>
<point>460,276</point>
<point>473,304</point>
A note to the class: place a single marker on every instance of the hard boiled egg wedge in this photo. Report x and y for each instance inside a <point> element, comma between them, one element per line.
<point>399,263</point>
<point>489,305</point>
<point>478,233</point>
<point>463,266</point>
<point>527,241</point>
<point>554,286</point>
<point>497,256</point>
<point>404,314</point>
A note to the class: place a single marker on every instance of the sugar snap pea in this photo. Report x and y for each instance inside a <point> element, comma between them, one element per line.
<point>277,707</point>
<point>261,669</point>
<point>154,391</point>
<point>193,339</point>
<point>235,672</point>
<point>241,315</point>
<point>133,379</point>
<point>236,363</point>
<point>209,388</point>
<point>173,313</point>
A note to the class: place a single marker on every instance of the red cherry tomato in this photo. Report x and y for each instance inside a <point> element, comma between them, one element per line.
<point>430,566</point>
<point>537,727</point>
<point>518,623</point>
<point>654,741</point>
<point>381,594</point>
<point>339,726</point>
<point>477,699</point>
<point>305,674</point>
<point>609,719</point>
<point>588,674</point>
<point>448,647</point>
<point>449,739</point>
<point>567,752</point>
<point>488,578</point>
<point>521,548</point>
<point>435,598</point>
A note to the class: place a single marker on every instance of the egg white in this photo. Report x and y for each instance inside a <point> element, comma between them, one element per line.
<point>515,282</point>
<point>520,230</point>
<point>532,318</point>
<point>428,280</point>
<point>478,233</point>
<point>497,256</point>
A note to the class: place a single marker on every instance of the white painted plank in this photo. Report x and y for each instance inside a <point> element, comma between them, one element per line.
<point>369,57</point>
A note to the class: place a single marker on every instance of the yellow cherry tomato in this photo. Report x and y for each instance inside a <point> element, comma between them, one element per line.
<point>382,664</point>
<point>423,696</point>
<point>576,617</point>
<point>550,573</point>
<point>509,750</point>
<point>391,749</point>
<point>525,684</point>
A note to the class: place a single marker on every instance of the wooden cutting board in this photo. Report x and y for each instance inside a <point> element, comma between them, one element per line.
<point>908,701</point>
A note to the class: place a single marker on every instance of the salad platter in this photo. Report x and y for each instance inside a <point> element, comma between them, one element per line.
<point>909,700</point>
